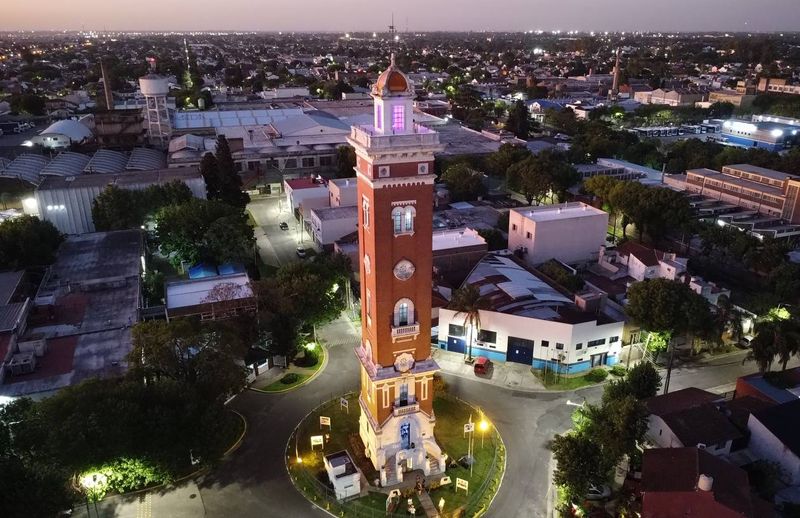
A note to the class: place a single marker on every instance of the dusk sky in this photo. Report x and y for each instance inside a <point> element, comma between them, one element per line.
<point>352,15</point>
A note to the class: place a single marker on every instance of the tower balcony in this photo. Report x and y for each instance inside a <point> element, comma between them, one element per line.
<point>409,408</point>
<point>402,333</point>
<point>370,138</point>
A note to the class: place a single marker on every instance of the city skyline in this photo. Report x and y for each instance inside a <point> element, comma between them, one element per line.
<point>415,15</point>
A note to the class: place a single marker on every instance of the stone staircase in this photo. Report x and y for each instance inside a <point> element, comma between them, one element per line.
<point>391,471</point>
<point>427,505</point>
<point>434,463</point>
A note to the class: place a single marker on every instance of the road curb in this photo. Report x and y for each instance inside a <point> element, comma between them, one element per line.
<point>304,382</point>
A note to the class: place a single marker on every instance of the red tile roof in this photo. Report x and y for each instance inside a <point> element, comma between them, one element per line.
<point>669,486</point>
<point>303,183</point>
<point>679,400</point>
<point>648,256</point>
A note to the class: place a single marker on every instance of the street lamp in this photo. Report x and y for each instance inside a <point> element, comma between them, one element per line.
<point>483,426</point>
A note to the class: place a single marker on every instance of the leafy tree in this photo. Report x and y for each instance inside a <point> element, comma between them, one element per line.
<point>579,464</point>
<point>643,380</point>
<point>467,302</point>
<point>494,238</point>
<point>556,271</point>
<point>345,162</point>
<point>463,182</point>
<point>27,242</point>
<point>223,183</point>
<point>207,357</point>
<point>662,305</point>
<point>507,155</point>
<point>774,338</point>
<point>529,178</point>
<point>518,121</point>
<point>31,104</point>
<point>204,230</point>
<point>119,209</point>
<point>784,281</point>
<point>618,425</point>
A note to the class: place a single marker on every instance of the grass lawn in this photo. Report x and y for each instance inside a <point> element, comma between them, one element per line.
<point>451,415</point>
<point>552,382</point>
<point>279,385</point>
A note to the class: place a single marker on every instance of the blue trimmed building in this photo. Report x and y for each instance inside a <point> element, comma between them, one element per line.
<point>772,136</point>
<point>532,322</point>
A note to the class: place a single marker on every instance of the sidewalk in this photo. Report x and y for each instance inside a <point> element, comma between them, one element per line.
<point>182,501</point>
<point>515,376</point>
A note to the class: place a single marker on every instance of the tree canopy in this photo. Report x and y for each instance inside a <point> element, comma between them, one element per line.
<point>663,305</point>
<point>204,230</point>
<point>539,175</point>
<point>463,182</point>
<point>223,182</point>
<point>120,209</point>
<point>27,242</point>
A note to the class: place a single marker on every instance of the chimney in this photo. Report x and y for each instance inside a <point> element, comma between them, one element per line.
<point>705,482</point>
<point>106,87</point>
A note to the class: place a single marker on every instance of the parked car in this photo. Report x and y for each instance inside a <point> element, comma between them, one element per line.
<point>284,225</point>
<point>598,492</point>
<point>482,366</point>
<point>301,252</point>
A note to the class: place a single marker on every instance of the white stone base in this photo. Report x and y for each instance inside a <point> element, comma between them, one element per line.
<point>391,455</point>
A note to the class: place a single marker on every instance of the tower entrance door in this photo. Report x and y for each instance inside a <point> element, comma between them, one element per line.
<point>405,435</point>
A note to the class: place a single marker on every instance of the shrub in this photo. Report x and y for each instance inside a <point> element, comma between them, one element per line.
<point>290,378</point>
<point>619,370</point>
<point>597,375</point>
<point>309,358</point>
<point>439,385</point>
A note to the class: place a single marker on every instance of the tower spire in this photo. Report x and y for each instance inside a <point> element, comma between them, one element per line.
<point>391,60</point>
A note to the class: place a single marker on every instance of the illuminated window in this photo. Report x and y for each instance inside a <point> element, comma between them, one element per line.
<point>403,312</point>
<point>398,118</point>
<point>397,217</point>
<point>403,220</point>
<point>409,220</point>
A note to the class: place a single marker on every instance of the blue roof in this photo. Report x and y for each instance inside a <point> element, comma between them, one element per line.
<point>201,271</point>
<point>230,268</point>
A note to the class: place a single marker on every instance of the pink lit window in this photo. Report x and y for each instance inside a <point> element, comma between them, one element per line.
<point>398,118</point>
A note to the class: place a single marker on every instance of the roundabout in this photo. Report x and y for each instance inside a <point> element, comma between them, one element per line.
<point>466,488</point>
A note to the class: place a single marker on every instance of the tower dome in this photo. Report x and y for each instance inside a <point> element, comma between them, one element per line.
<point>392,82</point>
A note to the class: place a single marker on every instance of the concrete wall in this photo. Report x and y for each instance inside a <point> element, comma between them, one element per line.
<point>570,240</point>
<point>764,445</point>
<point>328,231</point>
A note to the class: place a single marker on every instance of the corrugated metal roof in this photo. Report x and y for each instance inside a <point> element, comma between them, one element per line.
<point>26,167</point>
<point>106,161</point>
<point>66,164</point>
<point>144,159</point>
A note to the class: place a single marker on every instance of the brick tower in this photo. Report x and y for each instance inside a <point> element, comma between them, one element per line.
<point>394,163</point>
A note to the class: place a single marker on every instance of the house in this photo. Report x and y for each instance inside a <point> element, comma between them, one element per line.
<point>780,387</point>
<point>342,192</point>
<point>681,482</point>
<point>531,322</point>
<point>343,474</point>
<point>689,417</point>
<point>456,252</point>
<point>329,224</point>
<point>570,232</point>
<point>641,262</point>
<point>304,194</point>
<point>775,436</point>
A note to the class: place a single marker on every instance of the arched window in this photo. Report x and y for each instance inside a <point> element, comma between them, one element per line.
<point>403,312</point>
<point>397,219</point>
<point>403,220</point>
<point>408,223</point>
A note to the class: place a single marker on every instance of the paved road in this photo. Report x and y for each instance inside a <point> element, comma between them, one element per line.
<point>253,481</point>
<point>276,246</point>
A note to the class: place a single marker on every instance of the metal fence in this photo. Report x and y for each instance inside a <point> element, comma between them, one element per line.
<point>324,496</point>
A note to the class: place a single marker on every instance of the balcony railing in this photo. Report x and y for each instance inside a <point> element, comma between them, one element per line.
<point>371,139</point>
<point>409,331</point>
<point>410,408</point>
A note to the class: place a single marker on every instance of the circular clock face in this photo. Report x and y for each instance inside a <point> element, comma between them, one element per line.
<point>404,362</point>
<point>404,269</point>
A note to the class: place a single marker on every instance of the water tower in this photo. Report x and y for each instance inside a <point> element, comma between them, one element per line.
<point>156,115</point>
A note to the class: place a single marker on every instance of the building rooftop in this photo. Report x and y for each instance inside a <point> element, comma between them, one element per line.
<point>735,180</point>
<point>334,213</point>
<point>121,179</point>
<point>187,293</point>
<point>761,171</point>
<point>678,470</point>
<point>679,400</point>
<point>304,183</point>
<point>570,210</point>
<point>452,239</point>
<point>702,424</point>
<point>9,283</point>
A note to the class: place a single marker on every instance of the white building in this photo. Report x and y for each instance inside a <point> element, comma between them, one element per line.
<point>640,262</point>
<point>342,192</point>
<point>304,194</point>
<point>689,418</point>
<point>530,322</point>
<point>330,224</point>
<point>774,436</point>
<point>62,134</point>
<point>569,232</point>
<point>343,474</point>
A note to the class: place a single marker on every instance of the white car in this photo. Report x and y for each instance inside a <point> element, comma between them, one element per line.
<point>598,493</point>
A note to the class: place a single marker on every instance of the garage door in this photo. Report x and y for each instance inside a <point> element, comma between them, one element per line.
<point>456,345</point>
<point>520,350</point>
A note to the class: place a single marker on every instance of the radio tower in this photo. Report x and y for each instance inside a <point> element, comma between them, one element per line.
<point>393,30</point>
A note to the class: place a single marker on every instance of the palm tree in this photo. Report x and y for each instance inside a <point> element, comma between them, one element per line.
<point>775,338</point>
<point>467,301</point>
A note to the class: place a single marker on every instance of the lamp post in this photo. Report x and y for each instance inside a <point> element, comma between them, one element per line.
<point>483,425</point>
